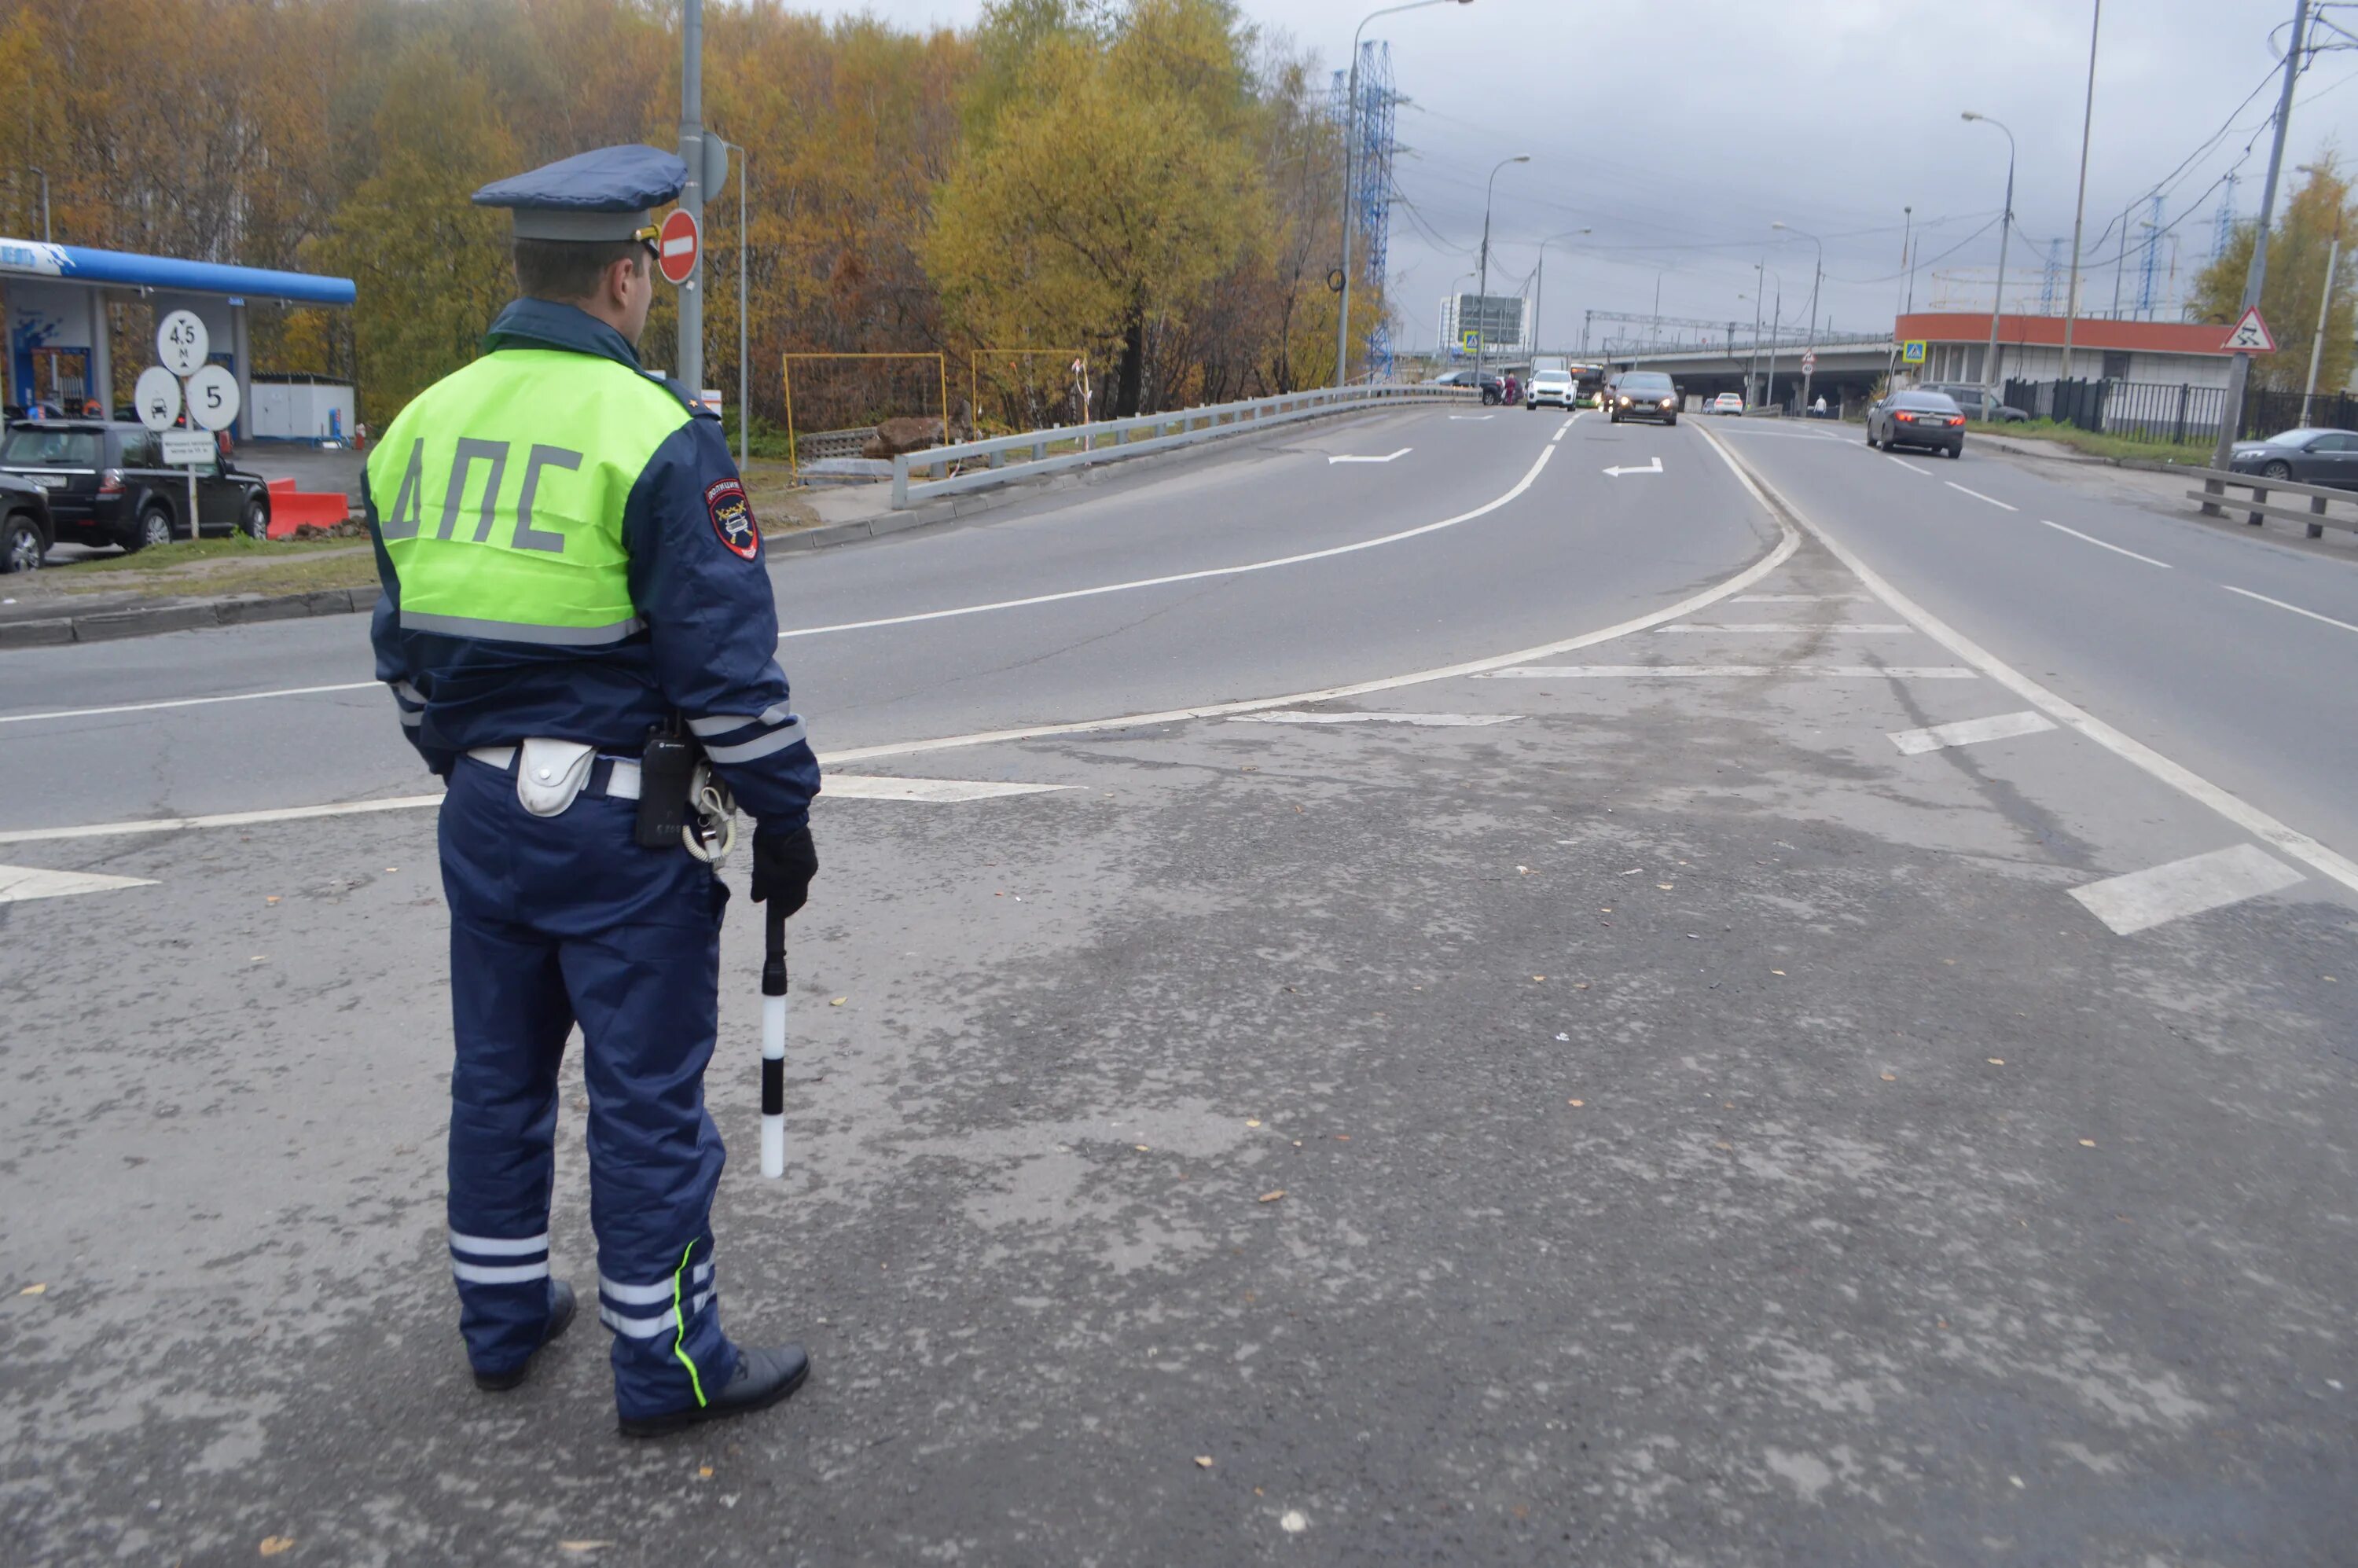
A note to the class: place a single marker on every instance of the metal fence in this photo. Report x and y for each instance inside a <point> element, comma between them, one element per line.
<point>2160,412</point>
<point>1004,459</point>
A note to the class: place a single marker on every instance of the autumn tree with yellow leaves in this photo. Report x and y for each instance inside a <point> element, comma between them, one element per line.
<point>1147,179</point>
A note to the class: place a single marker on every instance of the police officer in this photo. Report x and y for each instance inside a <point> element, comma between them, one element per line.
<point>571,564</point>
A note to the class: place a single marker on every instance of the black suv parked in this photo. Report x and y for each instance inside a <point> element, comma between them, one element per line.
<point>107,484</point>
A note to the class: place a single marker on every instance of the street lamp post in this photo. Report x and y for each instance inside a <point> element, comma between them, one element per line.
<point>2005,231</point>
<point>1538,289</point>
<point>2256,275</point>
<point>1809,364</point>
<point>1776,319</point>
<point>2080,211</point>
<point>1350,121</point>
<point>1482,289</point>
<point>46,237</point>
<point>2325,296</point>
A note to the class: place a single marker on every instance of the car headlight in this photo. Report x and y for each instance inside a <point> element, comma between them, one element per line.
<point>1666,402</point>
<point>1625,402</point>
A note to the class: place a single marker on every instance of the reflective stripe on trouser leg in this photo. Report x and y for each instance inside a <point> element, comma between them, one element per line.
<point>647,997</point>
<point>510,1020</point>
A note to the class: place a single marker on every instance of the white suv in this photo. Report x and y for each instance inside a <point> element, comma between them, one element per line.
<point>1553,388</point>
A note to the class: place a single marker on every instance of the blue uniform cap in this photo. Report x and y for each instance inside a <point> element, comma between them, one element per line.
<point>591,196</point>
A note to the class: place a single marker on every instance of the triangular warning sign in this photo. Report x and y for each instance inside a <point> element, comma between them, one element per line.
<point>2251,336</point>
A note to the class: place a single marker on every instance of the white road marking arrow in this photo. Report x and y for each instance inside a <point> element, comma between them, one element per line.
<point>20,882</point>
<point>1654,467</point>
<point>1386,458</point>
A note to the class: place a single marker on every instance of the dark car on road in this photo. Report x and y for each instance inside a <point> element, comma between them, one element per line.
<point>1977,402</point>
<point>1642,394</point>
<point>107,484</point>
<point>2307,456</point>
<point>1920,418</point>
<point>25,532</point>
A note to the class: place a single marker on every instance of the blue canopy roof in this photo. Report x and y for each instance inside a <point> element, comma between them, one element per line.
<point>76,263</point>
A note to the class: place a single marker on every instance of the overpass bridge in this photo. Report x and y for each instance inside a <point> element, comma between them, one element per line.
<point>1848,365</point>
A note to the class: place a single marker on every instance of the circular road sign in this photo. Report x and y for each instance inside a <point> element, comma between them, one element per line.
<point>678,246</point>
<point>158,397</point>
<point>212,397</point>
<point>182,343</point>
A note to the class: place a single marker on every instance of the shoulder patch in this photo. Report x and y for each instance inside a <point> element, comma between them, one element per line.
<point>732,518</point>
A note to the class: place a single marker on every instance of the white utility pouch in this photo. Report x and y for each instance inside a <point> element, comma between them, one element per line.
<point>549,773</point>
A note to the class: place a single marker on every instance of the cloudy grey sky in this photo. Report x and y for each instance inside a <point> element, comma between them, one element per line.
<point>1677,133</point>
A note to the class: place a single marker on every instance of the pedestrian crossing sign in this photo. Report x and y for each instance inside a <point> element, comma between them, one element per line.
<point>1470,342</point>
<point>2251,336</point>
<point>1913,352</point>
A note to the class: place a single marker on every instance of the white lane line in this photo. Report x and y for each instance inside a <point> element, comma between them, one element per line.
<point>2091,539</point>
<point>2142,900</point>
<point>1911,467</point>
<point>18,883</point>
<point>1521,485</point>
<point>1385,458</point>
<point>1969,731</point>
<point>1477,419</point>
<point>2284,840</point>
<point>1436,721</point>
<point>224,819</point>
<point>935,792</point>
<point>1977,495</point>
<point>2295,609</point>
<point>1794,597</point>
<point>1854,628</point>
<point>190,701</point>
<point>1776,435</point>
<point>836,786</point>
<point>1829,672</point>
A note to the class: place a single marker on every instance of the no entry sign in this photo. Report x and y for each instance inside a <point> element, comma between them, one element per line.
<point>678,245</point>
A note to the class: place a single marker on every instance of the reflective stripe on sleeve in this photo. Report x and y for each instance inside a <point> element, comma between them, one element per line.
<point>648,1328</point>
<point>510,1275</point>
<point>721,723</point>
<point>499,1246</point>
<point>646,1295</point>
<point>521,632</point>
<point>777,740</point>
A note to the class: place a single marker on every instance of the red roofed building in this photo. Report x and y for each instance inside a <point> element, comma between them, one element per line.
<point>2030,348</point>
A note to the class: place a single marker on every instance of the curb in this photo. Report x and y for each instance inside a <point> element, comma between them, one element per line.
<point>109,625</point>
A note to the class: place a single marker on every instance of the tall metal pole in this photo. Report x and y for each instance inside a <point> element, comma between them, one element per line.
<point>690,367</point>
<point>744,378</point>
<point>46,237</point>
<point>2239,368</point>
<point>2122,269</point>
<point>1350,146</point>
<point>2080,211</point>
<point>1482,289</point>
<point>1752,369</point>
<point>2324,298</point>
<point>1538,291</point>
<point>1776,316</point>
<point>1809,363</point>
<point>2005,233</point>
<point>1906,234</point>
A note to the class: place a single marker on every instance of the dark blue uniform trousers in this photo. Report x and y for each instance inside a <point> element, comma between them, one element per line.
<point>555,921</point>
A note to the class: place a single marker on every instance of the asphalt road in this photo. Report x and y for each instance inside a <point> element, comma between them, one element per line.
<point>2233,653</point>
<point>1573,546</point>
<point>1758,1078</point>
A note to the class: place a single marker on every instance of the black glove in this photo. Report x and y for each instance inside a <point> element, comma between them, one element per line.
<point>784,865</point>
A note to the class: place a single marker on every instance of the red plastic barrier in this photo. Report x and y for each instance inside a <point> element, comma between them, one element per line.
<point>291,508</point>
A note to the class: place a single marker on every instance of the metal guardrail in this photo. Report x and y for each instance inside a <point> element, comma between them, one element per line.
<point>2216,503</point>
<point>1010,458</point>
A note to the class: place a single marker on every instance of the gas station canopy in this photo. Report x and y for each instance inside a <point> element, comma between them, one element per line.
<point>58,344</point>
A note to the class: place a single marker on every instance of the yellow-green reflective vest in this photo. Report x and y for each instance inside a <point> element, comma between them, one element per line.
<point>500,494</point>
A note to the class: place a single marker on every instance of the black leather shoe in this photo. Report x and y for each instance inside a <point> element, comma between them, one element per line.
<point>560,1318</point>
<point>763,1378</point>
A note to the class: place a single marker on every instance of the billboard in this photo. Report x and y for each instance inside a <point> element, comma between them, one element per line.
<point>1496,319</point>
